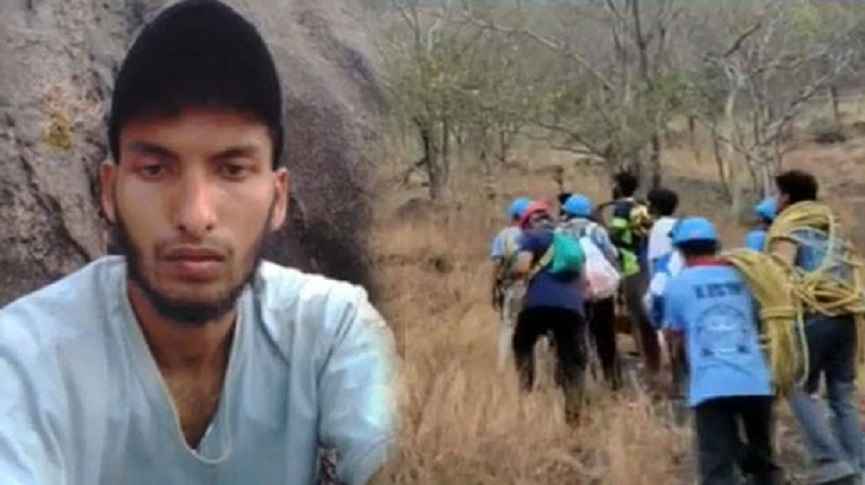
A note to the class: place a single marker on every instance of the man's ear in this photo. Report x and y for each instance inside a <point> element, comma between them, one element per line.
<point>282,187</point>
<point>107,175</point>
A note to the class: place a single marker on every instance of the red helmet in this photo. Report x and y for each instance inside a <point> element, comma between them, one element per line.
<point>538,206</point>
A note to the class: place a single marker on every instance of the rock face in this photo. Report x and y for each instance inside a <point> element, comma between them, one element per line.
<point>57,64</point>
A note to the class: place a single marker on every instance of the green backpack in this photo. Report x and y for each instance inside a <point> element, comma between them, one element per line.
<point>565,255</point>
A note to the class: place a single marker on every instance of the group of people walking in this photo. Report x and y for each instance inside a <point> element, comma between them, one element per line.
<point>566,272</point>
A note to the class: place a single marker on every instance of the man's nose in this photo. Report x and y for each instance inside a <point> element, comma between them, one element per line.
<point>196,214</point>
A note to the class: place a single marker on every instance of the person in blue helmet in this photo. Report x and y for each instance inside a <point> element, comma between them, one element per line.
<point>710,309</point>
<point>766,211</point>
<point>507,291</point>
<point>600,309</point>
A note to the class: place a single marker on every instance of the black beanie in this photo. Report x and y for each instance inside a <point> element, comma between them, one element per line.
<point>197,53</point>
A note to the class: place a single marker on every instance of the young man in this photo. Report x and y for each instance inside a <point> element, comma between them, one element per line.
<point>662,205</point>
<point>601,313</point>
<point>835,445</point>
<point>662,263</point>
<point>507,291</point>
<point>554,304</point>
<point>629,228</point>
<point>766,211</point>
<point>624,237</point>
<point>709,306</point>
<point>188,359</point>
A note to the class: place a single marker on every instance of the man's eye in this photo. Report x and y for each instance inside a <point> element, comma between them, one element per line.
<point>152,171</point>
<point>233,170</point>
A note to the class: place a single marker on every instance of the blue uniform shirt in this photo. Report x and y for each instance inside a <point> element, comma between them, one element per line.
<point>756,240</point>
<point>714,308</point>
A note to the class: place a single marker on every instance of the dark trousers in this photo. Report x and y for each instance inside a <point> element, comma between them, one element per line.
<point>720,446</point>
<point>568,330</point>
<point>602,325</point>
<point>831,355</point>
<point>645,335</point>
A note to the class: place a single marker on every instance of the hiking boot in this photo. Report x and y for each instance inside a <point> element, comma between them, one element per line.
<point>573,404</point>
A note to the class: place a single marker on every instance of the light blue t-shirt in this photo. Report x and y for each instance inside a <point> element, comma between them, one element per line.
<point>756,240</point>
<point>714,308</point>
<point>82,401</point>
<point>506,243</point>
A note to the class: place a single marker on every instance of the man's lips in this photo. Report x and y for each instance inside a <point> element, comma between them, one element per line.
<point>195,264</point>
<point>194,254</point>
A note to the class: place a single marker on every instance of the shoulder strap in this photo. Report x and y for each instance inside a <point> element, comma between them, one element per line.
<point>543,261</point>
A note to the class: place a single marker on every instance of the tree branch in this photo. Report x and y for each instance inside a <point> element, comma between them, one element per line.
<point>737,44</point>
<point>544,41</point>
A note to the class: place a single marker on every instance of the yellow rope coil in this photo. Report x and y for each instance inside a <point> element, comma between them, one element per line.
<point>770,284</point>
<point>786,293</point>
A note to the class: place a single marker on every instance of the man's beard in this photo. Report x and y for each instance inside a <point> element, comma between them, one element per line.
<point>183,312</point>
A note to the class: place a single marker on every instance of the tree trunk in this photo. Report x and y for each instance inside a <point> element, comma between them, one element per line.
<point>723,169</point>
<point>643,49</point>
<point>655,161</point>
<point>430,158</point>
<point>692,139</point>
<point>833,102</point>
<point>445,158</point>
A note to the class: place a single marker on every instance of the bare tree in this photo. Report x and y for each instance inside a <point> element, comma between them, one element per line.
<point>609,94</point>
<point>756,85</point>
<point>420,55</point>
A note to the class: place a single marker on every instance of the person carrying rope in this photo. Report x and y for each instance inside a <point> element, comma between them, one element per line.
<point>827,279</point>
<point>709,308</point>
<point>507,291</point>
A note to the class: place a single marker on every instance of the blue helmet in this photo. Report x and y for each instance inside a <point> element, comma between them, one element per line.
<point>518,206</point>
<point>755,240</point>
<point>694,229</point>
<point>767,209</point>
<point>578,206</point>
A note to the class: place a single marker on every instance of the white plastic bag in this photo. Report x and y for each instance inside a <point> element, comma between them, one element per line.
<point>600,278</point>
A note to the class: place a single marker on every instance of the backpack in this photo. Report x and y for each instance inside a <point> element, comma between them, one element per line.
<point>601,280</point>
<point>629,230</point>
<point>568,255</point>
<point>564,256</point>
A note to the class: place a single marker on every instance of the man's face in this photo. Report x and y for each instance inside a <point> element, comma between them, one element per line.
<point>782,200</point>
<point>193,197</point>
<point>538,219</point>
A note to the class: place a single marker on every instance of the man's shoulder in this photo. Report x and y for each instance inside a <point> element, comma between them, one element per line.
<point>302,305</point>
<point>707,275</point>
<point>685,279</point>
<point>62,310</point>
<point>283,286</point>
<point>662,227</point>
<point>509,231</point>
